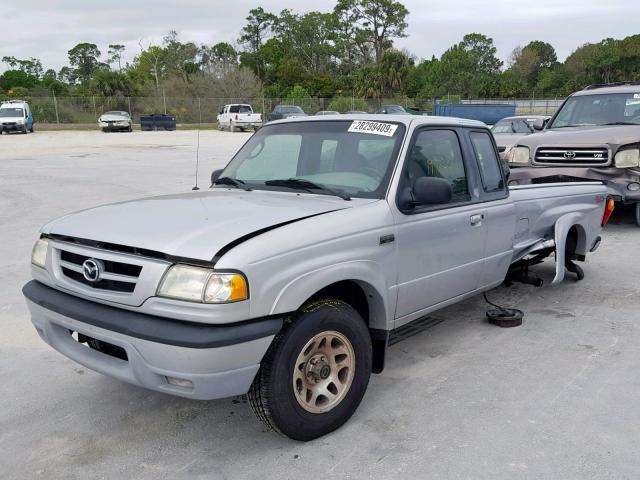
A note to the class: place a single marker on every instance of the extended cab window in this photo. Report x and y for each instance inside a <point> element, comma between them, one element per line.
<point>488,162</point>
<point>437,153</point>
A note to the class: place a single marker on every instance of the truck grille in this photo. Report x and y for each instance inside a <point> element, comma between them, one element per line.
<point>572,156</point>
<point>115,276</point>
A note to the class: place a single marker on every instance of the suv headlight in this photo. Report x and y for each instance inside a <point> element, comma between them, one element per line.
<point>628,158</point>
<point>203,285</point>
<point>39,252</point>
<point>20,121</point>
<point>517,155</point>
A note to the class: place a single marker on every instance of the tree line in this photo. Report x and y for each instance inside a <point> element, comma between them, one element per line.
<point>348,52</point>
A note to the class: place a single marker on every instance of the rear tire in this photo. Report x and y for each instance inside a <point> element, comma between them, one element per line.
<point>32,129</point>
<point>315,373</point>
<point>638,214</point>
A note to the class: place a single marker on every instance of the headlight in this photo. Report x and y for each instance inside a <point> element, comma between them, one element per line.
<point>39,253</point>
<point>20,121</point>
<point>517,155</point>
<point>199,284</point>
<point>628,158</point>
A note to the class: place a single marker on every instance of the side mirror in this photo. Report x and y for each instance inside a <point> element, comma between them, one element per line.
<point>214,176</point>
<point>426,191</point>
<point>539,124</point>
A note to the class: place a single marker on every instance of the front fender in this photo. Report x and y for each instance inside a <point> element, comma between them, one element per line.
<point>562,227</point>
<point>367,274</point>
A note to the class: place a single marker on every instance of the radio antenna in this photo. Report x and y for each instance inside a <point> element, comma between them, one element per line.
<point>195,187</point>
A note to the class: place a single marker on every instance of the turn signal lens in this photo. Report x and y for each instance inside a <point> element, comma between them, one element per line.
<point>608,211</point>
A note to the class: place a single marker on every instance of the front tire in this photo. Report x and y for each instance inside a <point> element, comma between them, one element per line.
<point>638,214</point>
<point>315,373</point>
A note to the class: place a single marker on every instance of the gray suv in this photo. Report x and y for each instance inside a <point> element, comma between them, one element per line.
<point>594,135</point>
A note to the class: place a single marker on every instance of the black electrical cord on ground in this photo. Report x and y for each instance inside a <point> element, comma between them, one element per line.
<point>504,317</point>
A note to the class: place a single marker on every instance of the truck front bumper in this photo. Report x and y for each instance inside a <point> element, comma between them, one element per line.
<point>190,360</point>
<point>622,183</point>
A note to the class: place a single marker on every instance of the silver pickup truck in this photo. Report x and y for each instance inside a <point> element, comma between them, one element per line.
<point>284,280</point>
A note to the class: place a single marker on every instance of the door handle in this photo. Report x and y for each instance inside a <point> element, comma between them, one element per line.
<point>476,220</point>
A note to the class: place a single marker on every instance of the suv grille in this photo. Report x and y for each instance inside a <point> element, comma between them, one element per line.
<point>115,276</point>
<point>572,156</point>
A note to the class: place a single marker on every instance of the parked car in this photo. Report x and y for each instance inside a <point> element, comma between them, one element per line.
<point>356,112</point>
<point>510,130</point>
<point>489,113</point>
<point>392,110</point>
<point>157,121</point>
<point>327,112</point>
<point>115,121</point>
<point>285,279</point>
<point>238,116</point>
<point>594,135</point>
<point>285,111</point>
<point>16,116</point>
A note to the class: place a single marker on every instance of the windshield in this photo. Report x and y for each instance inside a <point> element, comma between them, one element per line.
<point>117,114</point>
<point>516,125</point>
<point>325,153</point>
<point>290,110</point>
<point>11,112</point>
<point>603,109</point>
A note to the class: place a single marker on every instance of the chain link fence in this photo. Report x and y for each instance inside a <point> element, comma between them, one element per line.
<point>188,110</point>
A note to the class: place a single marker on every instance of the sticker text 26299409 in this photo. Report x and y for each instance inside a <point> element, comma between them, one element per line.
<point>375,128</point>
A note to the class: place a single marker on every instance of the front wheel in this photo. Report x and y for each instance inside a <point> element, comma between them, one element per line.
<point>315,373</point>
<point>638,214</point>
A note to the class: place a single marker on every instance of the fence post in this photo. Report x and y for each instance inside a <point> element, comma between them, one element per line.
<point>129,103</point>
<point>164,101</point>
<point>55,106</point>
<point>95,110</point>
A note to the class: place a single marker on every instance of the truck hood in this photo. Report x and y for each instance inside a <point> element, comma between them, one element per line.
<point>195,225</point>
<point>113,118</point>
<point>613,135</point>
<point>11,119</point>
<point>508,139</point>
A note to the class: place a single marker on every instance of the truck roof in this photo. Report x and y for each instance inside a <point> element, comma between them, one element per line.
<point>403,119</point>
<point>608,88</point>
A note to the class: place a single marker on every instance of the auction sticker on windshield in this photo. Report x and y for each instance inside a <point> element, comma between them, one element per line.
<point>375,128</point>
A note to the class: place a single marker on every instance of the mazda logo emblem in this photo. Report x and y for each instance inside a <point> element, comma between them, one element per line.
<point>91,270</point>
<point>569,155</point>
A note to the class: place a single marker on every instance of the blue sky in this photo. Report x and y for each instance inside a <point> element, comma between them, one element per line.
<point>46,29</point>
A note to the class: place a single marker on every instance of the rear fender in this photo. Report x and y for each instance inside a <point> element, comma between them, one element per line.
<point>562,227</point>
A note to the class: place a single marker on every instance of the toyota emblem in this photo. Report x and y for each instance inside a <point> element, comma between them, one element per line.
<point>569,155</point>
<point>91,270</point>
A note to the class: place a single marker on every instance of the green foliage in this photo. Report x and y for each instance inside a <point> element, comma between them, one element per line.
<point>84,57</point>
<point>300,97</point>
<point>346,52</point>
<point>346,104</point>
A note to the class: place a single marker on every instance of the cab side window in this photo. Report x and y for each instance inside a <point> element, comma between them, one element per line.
<point>488,162</point>
<point>437,153</point>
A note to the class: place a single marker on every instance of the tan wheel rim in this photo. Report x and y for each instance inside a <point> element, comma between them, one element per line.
<point>323,372</point>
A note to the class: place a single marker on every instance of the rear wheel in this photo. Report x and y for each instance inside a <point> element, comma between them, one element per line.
<point>638,214</point>
<point>32,129</point>
<point>315,372</point>
<point>232,127</point>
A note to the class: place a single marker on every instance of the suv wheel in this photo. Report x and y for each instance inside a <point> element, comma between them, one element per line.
<point>638,214</point>
<point>315,372</point>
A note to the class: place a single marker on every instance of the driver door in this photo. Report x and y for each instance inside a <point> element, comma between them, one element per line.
<point>440,247</point>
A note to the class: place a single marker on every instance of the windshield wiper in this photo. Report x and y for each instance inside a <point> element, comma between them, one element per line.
<point>300,184</point>
<point>234,182</point>
<point>622,123</point>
